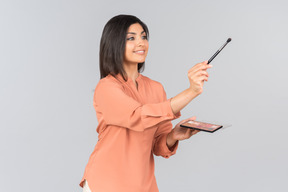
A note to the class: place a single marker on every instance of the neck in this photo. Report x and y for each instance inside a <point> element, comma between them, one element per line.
<point>131,71</point>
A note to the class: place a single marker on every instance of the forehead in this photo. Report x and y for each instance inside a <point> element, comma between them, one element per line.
<point>136,27</point>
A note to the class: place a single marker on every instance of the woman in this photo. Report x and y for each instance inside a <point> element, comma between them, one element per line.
<point>133,112</point>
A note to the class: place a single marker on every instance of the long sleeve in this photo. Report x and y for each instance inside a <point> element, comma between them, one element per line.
<point>160,141</point>
<point>119,109</point>
<point>160,147</point>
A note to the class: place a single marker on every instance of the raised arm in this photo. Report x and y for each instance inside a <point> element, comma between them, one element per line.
<point>119,109</point>
<point>196,75</point>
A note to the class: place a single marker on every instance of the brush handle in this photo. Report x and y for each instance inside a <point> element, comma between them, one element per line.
<point>218,51</point>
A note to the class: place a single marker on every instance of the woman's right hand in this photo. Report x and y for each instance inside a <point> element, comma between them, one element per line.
<point>197,75</point>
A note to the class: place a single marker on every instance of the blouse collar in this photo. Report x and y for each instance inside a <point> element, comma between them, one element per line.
<point>119,77</point>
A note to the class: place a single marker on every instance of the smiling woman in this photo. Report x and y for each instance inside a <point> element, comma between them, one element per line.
<point>136,50</point>
<point>134,114</point>
<point>116,33</point>
<point>136,46</point>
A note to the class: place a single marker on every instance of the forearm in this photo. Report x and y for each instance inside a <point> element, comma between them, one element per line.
<point>196,75</point>
<point>182,99</point>
<point>170,140</point>
<point>177,103</point>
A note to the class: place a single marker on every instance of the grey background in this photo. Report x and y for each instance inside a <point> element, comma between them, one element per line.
<point>49,68</point>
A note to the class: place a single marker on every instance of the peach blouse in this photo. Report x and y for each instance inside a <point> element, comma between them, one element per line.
<point>132,125</point>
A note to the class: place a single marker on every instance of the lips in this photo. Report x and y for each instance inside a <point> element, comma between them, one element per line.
<point>139,52</point>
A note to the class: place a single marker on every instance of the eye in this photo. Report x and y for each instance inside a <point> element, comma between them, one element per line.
<point>144,37</point>
<point>130,38</point>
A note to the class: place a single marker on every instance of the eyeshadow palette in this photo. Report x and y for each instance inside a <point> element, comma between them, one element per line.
<point>201,126</point>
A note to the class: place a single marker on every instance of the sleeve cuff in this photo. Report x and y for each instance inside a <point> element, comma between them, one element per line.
<point>175,116</point>
<point>153,114</point>
<point>166,152</point>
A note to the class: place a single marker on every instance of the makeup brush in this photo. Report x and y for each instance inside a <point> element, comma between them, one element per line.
<point>219,50</point>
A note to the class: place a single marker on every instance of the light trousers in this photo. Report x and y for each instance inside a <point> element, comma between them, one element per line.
<point>86,187</point>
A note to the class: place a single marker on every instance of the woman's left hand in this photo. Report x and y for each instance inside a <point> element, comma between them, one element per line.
<point>182,133</point>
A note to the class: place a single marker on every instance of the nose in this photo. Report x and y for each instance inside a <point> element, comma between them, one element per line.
<point>140,42</point>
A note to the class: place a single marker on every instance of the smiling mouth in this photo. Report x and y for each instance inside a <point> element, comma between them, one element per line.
<point>139,52</point>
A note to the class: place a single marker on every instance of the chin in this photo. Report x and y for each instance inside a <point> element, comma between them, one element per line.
<point>139,61</point>
<point>136,61</point>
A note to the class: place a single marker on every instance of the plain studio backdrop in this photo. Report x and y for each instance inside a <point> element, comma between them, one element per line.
<point>49,69</point>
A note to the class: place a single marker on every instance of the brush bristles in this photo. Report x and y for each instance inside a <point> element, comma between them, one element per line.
<point>228,40</point>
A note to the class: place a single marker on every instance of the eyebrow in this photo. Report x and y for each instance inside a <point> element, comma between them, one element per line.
<point>133,33</point>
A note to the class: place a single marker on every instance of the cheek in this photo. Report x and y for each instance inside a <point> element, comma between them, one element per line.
<point>129,47</point>
<point>128,51</point>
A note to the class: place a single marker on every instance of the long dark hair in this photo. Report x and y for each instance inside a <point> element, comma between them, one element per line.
<point>113,42</point>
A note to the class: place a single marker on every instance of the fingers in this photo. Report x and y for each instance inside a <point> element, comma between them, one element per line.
<point>189,133</point>
<point>183,121</point>
<point>193,132</point>
<point>189,119</point>
<point>192,118</point>
<point>197,76</point>
<point>200,66</point>
<point>199,70</point>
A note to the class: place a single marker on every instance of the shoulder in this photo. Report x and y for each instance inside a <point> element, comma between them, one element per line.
<point>107,83</point>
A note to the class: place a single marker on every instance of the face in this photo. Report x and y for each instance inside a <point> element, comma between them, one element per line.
<point>136,45</point>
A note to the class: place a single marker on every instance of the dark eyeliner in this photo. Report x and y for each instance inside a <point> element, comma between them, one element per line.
<point>130,38</point>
